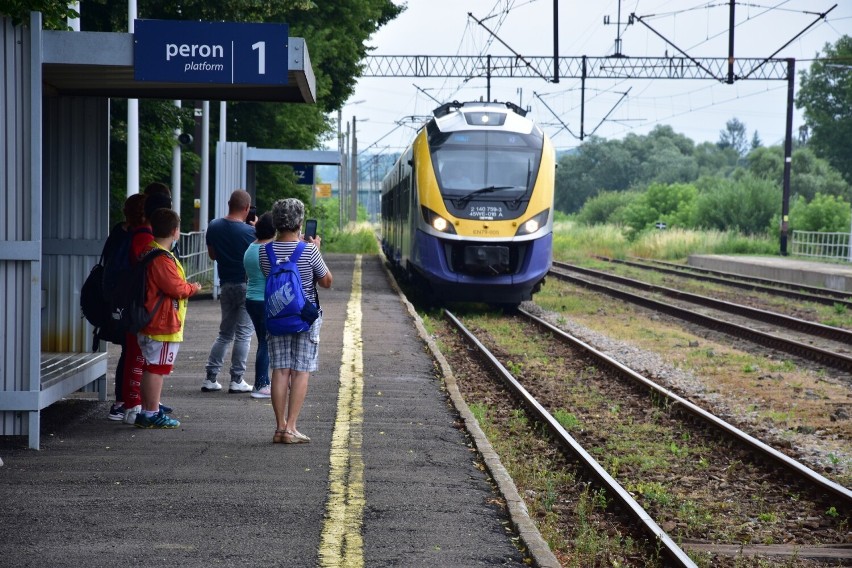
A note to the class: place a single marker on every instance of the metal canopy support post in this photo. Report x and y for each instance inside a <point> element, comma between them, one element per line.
<point>353,193</point>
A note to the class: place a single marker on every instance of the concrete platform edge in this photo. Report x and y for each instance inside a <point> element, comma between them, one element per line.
<point>537,547</point>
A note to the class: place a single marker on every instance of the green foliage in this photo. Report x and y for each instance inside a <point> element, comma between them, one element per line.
<point>663,156</point>
<point>54,13</point>
<point>571,241</point>
<point>746,204</point>
<point>734,136</point>
<point>158,120</point>
<point>825,94</point>
<point>671,204</point>
<point>338,35</point>
<point>809,174</point>
<point>598,165</point>
<point>826,213</point>
<point>607,207</point>
<point>357,240</point>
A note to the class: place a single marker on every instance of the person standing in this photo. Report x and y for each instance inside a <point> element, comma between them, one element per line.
<point>294,355</point>
<point>227,240</point>
<point>157,196</point>
<point>117,255</point>
<point>166,299</point>
<point>255,304</point>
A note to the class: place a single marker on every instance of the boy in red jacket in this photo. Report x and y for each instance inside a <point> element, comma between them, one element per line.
<point>160,339</point>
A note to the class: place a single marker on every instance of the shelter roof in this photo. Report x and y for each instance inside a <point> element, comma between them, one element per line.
<point>101,64</point>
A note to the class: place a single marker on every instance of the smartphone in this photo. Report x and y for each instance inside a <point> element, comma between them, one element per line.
<point>310,228</point>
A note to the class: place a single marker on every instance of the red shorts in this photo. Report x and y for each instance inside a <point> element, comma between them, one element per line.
<point>159,355</point>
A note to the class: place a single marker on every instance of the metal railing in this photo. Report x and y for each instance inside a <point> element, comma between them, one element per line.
<point>193,255</point>
<point>834,246</point>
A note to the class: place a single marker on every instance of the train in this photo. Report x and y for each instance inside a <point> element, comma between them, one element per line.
<point>467,209</point>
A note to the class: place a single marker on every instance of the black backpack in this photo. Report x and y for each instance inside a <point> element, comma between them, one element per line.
<point>96,295</point>
<point>127,308</point>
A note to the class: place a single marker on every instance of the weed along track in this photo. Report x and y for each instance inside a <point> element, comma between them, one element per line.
<point>701,486</point>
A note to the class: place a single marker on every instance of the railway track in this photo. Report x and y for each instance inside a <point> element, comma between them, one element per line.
<point>827,356</point>
<point>816,295</point>
<point>673,553</point>
<point>763,282</point>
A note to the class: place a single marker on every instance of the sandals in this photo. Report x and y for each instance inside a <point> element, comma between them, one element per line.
<point>278,437</point>
<point>289,437</point>
<point>294,437</point>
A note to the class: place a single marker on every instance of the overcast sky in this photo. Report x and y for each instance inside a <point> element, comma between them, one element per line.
<point>697,108</point>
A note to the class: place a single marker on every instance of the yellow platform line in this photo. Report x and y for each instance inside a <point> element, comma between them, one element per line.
<point>341,542</point>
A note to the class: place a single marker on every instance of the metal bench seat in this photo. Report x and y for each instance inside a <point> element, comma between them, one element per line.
<point>60,375</point>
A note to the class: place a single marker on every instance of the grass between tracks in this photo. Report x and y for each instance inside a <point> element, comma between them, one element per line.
<point>763,393</point>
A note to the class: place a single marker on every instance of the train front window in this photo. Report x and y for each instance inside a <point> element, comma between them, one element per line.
<point>491,165</point>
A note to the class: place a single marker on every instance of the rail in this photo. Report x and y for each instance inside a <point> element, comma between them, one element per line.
<point>192,252</point>
<point>834,246</point>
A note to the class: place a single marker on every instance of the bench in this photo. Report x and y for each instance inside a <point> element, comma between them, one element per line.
<point>60,374</point>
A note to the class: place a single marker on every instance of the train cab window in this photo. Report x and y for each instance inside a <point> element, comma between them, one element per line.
<point>501,165</point>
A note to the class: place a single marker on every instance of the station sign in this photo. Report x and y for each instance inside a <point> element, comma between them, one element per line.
<point>322,190</point>
<point>304,173</point>
<point>178,51</point>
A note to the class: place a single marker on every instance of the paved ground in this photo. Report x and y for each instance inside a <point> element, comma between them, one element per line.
<point>390,478</point>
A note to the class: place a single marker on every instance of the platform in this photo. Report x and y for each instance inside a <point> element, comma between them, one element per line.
<point>391,477</point>
<point>782,269</point>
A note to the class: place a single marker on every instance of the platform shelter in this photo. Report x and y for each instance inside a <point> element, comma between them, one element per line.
<point>55,187</point>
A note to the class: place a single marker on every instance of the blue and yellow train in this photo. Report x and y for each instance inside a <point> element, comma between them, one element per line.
<point>467,210</point>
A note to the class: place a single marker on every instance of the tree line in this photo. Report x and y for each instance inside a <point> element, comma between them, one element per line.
<point>642,181</point>
<point>637,182</point>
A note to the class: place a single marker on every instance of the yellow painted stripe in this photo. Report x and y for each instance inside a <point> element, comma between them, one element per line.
<point>341,543</point>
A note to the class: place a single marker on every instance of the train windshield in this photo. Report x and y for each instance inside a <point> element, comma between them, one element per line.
<point>488,165</point>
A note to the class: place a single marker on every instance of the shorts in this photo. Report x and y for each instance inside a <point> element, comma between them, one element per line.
<point>159,355</point>
<point>296,351</point>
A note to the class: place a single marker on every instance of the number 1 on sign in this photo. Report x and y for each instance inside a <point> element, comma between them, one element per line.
<point>261,56</point>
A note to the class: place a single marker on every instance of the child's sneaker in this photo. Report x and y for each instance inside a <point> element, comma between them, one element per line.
<point>159,420</point>
<point>116,412</point>
<point>165,408</point>
<point>262,392</point>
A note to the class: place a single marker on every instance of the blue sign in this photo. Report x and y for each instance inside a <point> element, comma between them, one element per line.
<point>210,52</point>
<point>304,173</point>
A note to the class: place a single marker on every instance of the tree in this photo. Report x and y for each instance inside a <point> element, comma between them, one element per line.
<point>54,13</point>
<point>809,174</point>
<point>734,136</point>
<point>337,34</point>
<point>598,165</point>
<point>825,95</point>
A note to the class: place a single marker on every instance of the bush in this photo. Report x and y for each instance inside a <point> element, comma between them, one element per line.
<point>826,213</point>
<point>746,205</point>
<point>606,207</point>
<point>671,204</point>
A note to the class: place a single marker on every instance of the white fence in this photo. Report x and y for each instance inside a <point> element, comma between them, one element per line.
<point>833,246</point>
<point>193,255</point>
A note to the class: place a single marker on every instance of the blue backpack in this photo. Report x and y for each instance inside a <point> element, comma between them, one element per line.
<point>287,309</point>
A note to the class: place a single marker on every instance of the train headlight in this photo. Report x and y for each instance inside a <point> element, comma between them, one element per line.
<point>533,224</point>
<point>437,222</point>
